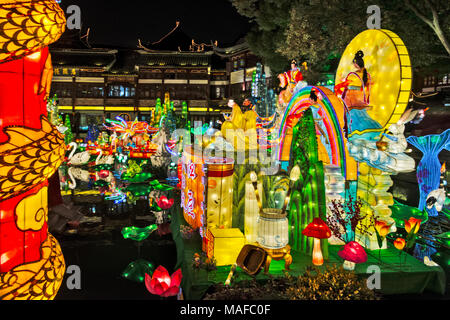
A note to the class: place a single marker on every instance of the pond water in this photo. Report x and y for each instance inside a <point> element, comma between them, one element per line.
<point>89,230</point>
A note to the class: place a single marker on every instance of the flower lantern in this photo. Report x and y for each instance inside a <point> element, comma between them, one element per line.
<point>164,203</point>
<point>399,243</point>
<point>382,229</point>
<point>352,253</point>
<point>317,229</point>
<point>162,284</point>
<point>412,225</point>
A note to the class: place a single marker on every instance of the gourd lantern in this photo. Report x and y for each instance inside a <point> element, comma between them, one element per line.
<point>31,150</point>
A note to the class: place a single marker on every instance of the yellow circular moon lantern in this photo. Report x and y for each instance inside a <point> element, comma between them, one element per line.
<point>387,61</point>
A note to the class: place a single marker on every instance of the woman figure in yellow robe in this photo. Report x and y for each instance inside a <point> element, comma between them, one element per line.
<point>240,122</point>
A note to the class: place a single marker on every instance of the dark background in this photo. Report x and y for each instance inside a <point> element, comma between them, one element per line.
<point>121,23</point>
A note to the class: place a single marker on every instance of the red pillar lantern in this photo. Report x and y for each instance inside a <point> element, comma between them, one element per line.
<point>31,150</point>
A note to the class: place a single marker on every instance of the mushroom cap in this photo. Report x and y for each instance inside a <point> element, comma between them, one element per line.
<point>317,229</point>
<point>353,252</point>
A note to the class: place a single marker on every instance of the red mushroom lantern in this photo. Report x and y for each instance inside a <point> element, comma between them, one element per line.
<point>352,253</point>
<point>317,229</point>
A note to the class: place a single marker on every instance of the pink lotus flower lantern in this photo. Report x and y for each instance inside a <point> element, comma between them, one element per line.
<point>162,284</point>
<point>164,203</point>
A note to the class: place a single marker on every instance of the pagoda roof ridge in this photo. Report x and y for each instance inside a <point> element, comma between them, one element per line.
<point>230,50</point>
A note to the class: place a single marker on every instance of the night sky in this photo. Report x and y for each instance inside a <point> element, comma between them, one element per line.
<point>121,23</point>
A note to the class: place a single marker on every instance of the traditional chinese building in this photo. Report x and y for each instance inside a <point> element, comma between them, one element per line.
<point>241,63</point>
<point>97,83</point>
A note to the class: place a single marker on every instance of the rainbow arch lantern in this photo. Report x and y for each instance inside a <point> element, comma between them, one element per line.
<point>328,113</point>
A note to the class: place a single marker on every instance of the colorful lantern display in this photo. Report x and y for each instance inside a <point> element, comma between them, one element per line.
<point>387,91</point>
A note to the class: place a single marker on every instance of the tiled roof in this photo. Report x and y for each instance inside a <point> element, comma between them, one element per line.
<point>103,58</point>
<point>225,52</point>
<point>197,59</point>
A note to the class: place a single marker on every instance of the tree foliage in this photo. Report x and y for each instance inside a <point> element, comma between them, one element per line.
<point>68,136</point>
<point>435,15</point>
<point>317,31</point>
<point>270,18</point>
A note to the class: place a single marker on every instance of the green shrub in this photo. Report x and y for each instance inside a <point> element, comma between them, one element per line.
<point>333,284</point>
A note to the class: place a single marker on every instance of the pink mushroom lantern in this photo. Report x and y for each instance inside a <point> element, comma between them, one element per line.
<point>352,253</point>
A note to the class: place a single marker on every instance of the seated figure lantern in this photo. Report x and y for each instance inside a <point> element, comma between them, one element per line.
<point>31,150</point>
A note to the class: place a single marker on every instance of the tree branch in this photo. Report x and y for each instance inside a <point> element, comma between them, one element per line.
<point>420,15</point>
<point>433,12</point>
<point>433,24</point>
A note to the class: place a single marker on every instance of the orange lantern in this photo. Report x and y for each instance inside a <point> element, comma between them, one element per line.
<point>400,243</point>
<point>412,225</point>
<point>193,182</point>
